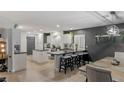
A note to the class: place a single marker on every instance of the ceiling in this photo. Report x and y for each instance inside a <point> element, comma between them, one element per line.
<point>47,20</point>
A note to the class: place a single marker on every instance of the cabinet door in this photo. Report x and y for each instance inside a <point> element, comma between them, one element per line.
<point>16,37</point>
<point>67,39</point>
<point>79,40</point>
<point>23,44</point>
<point>39,42</point>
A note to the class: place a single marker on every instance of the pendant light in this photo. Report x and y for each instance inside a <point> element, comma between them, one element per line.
<point>113,30</point>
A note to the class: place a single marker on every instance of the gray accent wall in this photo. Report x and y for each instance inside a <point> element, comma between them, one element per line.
<point>101,49</point>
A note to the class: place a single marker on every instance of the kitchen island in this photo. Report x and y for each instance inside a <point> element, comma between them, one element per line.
<point>59,54</point>
<point>40,56</point>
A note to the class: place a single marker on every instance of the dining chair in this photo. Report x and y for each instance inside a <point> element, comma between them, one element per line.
<point>98,74</point>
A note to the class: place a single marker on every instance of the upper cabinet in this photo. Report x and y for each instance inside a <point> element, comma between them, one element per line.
<point>19,41</point>
<point>39,42</point>
<point>67,38</point>
<point>79,42</point>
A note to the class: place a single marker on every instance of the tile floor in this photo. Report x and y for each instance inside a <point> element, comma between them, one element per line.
<point>44,72</point>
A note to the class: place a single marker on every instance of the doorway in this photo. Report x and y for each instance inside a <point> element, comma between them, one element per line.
<point>30,45</point>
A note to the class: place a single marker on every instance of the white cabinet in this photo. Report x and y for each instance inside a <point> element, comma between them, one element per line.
<point>19,38</point>
<point>16,35</point>
<point>39,42</point>
<point>79,40</point>
<point>19,62</point>
<point>40,56</point>
<point>23,42</point>
<point>48,39</point>
<point>67,38</point>
<point>18,58</point>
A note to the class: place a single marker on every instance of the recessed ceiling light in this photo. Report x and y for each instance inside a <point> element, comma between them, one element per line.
<point>71,28</point>
<point>57,26</point>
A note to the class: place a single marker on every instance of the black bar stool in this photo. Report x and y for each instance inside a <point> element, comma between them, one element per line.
<point>78,61</point>
<point>75,60</point>
<point>65,62</point>
<point>86,58</point>
<point>3,66</point>
<point>81,58</point>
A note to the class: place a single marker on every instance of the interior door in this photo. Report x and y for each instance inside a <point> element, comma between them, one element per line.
<point>30,45</point>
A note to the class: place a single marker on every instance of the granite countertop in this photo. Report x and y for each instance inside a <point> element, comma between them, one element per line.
<point>56,52</point>
<point>62,52</point>
<point>40,50</point>
<point>20,53</point>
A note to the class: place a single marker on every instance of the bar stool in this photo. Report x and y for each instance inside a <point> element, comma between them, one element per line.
<point>86,58</point>
<point>78,61</point>
<point>65,62</point>
<point>81,58</point>
<point>3,66</point>
<point>75,60</point>
<point>70,63</point>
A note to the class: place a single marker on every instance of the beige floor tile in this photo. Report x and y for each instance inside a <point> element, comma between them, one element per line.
<point>44,72</point>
